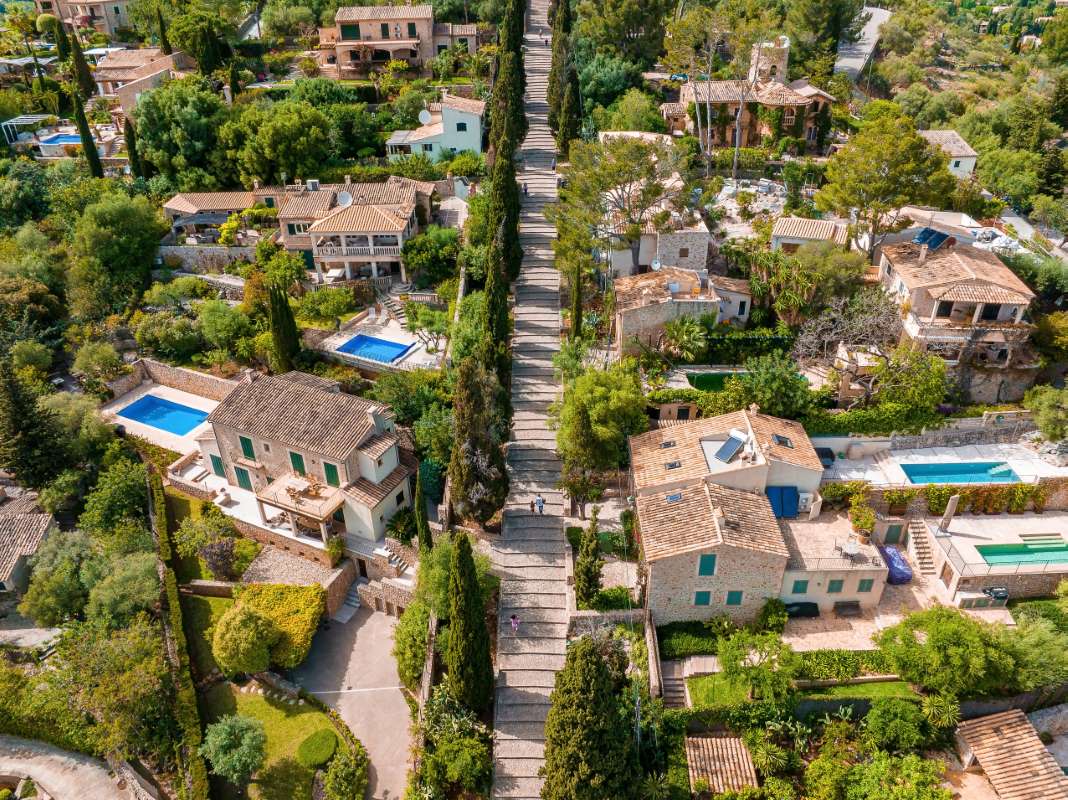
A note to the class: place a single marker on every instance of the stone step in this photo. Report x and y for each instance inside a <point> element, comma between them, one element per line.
<point>543,630</point>
<point>517,788</point>
<point>531,573</point>
<point>511,696</point>
<point>532,614</point>
<point>518,767</point>
<point>520,731</point>
<point>545,678</point>
<point>524,712</point>
<point>518,748</point>
<point>515,645</point>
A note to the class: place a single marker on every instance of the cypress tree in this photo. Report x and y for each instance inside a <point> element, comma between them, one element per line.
<point>164,43</point>
<point>235,80</point>
<point>467,654</point>
<point>62,42</point>
<point>561,50</point>
<point>82,76</point>
<point>589,752</point>
<point>508,122</point>
<point>503,214</point>
<point>422,526</point>
<point>31,444</point>
<point>137,169</point>
<point>575,286</point>
<point>492,351</point>
<point>477,473</point>
<point>569,122</point>
<point>284,334</point>
<point>92,157</point>
<point>588,564</point>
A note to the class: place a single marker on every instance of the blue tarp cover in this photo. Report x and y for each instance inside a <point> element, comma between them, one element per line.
<point>900,571</point>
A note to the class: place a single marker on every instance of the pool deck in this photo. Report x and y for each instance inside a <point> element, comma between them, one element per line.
<point>182,444</point>
<point>884,468</point>
<point>969,531</point>
<point>392,331</point>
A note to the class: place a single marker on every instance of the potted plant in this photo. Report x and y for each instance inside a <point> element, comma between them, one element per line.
<point>1039,498</point>
<point>1019,494</point>
<point>862,515</point>
<point>897,500</point>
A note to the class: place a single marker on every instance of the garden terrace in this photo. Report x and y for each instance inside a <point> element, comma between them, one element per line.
<point>301,499</point>
<point>721,760</point>
<point>821,544</point>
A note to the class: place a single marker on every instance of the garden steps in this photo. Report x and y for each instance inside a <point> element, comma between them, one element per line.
<point>920,547</point>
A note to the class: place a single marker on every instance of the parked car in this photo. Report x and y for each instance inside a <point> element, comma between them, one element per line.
<point>802,609</point>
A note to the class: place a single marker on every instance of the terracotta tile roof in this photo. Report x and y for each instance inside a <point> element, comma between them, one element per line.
<point>20,536</point>
<point>361,13</point>
<point>122,61</point>
<point>802,86</point>
<point>364,219</point>
<point>673,109</point>
<point>779,94</point>
<point>722,760</point>
<point>313,381</point>
<point>976,292</point>
<point>951,142</point>
<point>379,444</point>
<point>371,494</point>
<point>739,285</point>
<point>455,29</point>
<point>307,204</point>
<point>1014,759</point>
<point>823,230</point>
<point>275,407</point>
<point>199,202</point>
<point>700,515</point>
<point>651,453</point>
<point>713,91</point>
<point>25,503</point>
<point>650,288</point>
<point>954,264</point>
<point>468,104</point>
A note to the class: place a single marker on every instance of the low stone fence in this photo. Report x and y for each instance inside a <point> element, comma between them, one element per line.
<point>1026,701</point>
<point>581,621</point>
<point>652,644</point>
<point>337,585</point>
<point>426,683</point>
<point>206,588</point>
<point>384,597</point>
<point>186,380</point>
<point>403,551</point>
<point>204,257</point>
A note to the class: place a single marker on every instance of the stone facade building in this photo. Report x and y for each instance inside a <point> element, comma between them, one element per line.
<point>646,302</point>
<point>789,233</point>
<point>23,526</point>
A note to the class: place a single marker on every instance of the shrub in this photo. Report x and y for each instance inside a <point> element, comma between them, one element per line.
<point>693,637</point>
<point>409,643</point>
<point>838,495</point>
<point>295,612</point>
<point>346,777</point>
<point>612,599</point>
<point>318,748</point>
<point>895,724</point>
<point>327,303</point>
<point>937,497</point>
<point>335,548</point>
<point>823,665</point>
<point>242,641</point>
<point>772,616</point>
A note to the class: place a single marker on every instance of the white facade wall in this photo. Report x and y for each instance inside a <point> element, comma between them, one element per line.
<point>962,166</point>
<point>734,306</point>
<point>819,581</point>
<point>782,474</point>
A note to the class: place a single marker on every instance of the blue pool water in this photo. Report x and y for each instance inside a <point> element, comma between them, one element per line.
<point>164,414</point>
<point>62,138</point>
<point>375,349</point>
<point>961,472</point>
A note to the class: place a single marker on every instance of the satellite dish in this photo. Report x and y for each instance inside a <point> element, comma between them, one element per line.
<point>344,199</point>
<point>424,117</point>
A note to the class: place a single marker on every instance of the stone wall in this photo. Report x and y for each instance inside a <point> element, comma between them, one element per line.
<point>206,588</point>
<point>188,380</point>
<point>386,597</point>
<point>337,585</point>
<point>670,245</point>
<point>128,382</point>
<point>581,621</point>
<point>264,536</point>
<point>1021,585</point>
<point>403,551</point>
<point>994,385</point>
<point>204,257</point>
<point>646,323</point>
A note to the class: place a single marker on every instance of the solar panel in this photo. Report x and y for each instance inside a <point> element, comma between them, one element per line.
<point>674,498</point>
<point>923,236</point>
<point>729,449</point>
<point>937,240</point>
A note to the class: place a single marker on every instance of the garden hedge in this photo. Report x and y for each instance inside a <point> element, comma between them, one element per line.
<point>825,665</point>
<point>295,612</point>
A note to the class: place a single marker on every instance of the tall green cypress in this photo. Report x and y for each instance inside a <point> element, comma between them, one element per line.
<point>575,287</point>
<point>467,654</point>
<point>588,564</point>
<point>493,350</point>
<point>92,157</point>
<point>235,80</point>
<point>589,752</point>
<point>561,45</point>
<point>130,135</point>
<point>62,42</point>
<point>508,122</point>
<point>477,472</point>
<point>422,526</point>
<point>31,444</point>
<point>82,76</point>
<point>284,334</point>
<point>164,43</point>
<point>503,214</point>
<point>569,122</point>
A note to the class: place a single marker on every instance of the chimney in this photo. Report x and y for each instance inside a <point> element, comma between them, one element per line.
<point>923,253</point>
<point>256,184</point>
<point>951,509</point>
<point>348,179</point>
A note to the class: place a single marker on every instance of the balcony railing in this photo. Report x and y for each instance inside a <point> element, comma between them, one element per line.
<point>972,569</point>
<point>378,250</point>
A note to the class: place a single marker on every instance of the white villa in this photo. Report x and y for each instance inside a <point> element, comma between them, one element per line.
<point>451,126</point>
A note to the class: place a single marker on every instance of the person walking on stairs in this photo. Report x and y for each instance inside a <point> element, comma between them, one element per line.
<point>515,624</point>
<point>539,501</point>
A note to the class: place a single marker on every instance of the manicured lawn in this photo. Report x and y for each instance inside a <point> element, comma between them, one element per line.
<point>712,691</point>
<point>179,506</point>
<point>200,615</point>
<point>282,777</point>
<point>868,691</point>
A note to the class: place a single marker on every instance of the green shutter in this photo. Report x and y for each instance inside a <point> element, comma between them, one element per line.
<point>330,472</point>
<point>800,587</point>
<point>217,466</point>
<point>339,516</point>
<point>309,259</point>
<point>296,460</point>
<point>707,565</point>
<point>411,30</point>
<point>702,598</point>
<point>385,30</point>
<point>734,598</point>
<point>865,584</point>
<point>350,32</point>
<point>834,587</point>
<point>246,448</point>
<point>243,479</point>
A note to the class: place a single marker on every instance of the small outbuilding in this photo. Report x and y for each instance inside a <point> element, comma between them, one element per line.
<point>1007,748</point>
<point>721,760</point>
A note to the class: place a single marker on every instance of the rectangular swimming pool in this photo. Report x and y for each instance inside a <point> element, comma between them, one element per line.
<point>164,414</point>
<point>374,349</point>
<point>1024,553</point>
<point>961,472</point>
<point>62,138</point>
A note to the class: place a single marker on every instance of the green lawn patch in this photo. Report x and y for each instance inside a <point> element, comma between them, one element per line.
<point>861,691</point>
<point>282,776</point>
<point>689,638</point>
<point>713,691</point>
<point>200,615</point>
<point>1041,608</point>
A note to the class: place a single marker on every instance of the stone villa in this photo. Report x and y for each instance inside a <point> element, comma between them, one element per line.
<point>23,526</point>
<point>645,302</point>
<point>717,499</point>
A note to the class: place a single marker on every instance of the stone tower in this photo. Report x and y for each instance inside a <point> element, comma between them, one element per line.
<point>769,60</point>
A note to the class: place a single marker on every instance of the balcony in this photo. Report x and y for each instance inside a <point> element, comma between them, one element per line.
<point>962,328</point>
<point>378,250</point>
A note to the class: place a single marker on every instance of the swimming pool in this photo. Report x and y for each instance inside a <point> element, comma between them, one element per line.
<point>164,414</point>
<point>375,349</point>
<point>1023,553</point>
<point>62,138</point>
<point>961,472</point>
<point>711,381</point>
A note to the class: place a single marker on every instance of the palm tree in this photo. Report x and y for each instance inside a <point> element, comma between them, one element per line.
<point>684,338</point>
<point>941,710</point>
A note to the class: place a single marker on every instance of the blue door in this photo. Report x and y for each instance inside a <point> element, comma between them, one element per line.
<point>784,500</point>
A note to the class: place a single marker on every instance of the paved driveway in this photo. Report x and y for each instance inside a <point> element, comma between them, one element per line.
<point>351,668</point>
<point>60,773</point>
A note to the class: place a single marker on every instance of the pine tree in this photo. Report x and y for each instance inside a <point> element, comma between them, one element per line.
<point>235,80</point>
<point>589,753</point>
<point>467,654</point>
<point>284,334</point>
<point>569,123</point>
<point>31,444</point>
<point>588,564</point>
<point>561,58</point>
<point>82,76</point>
<point>477,474</point>
<point>92,157</point>
<point>422,526</point>
<point>136,167</point>
<point>164,44</point>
